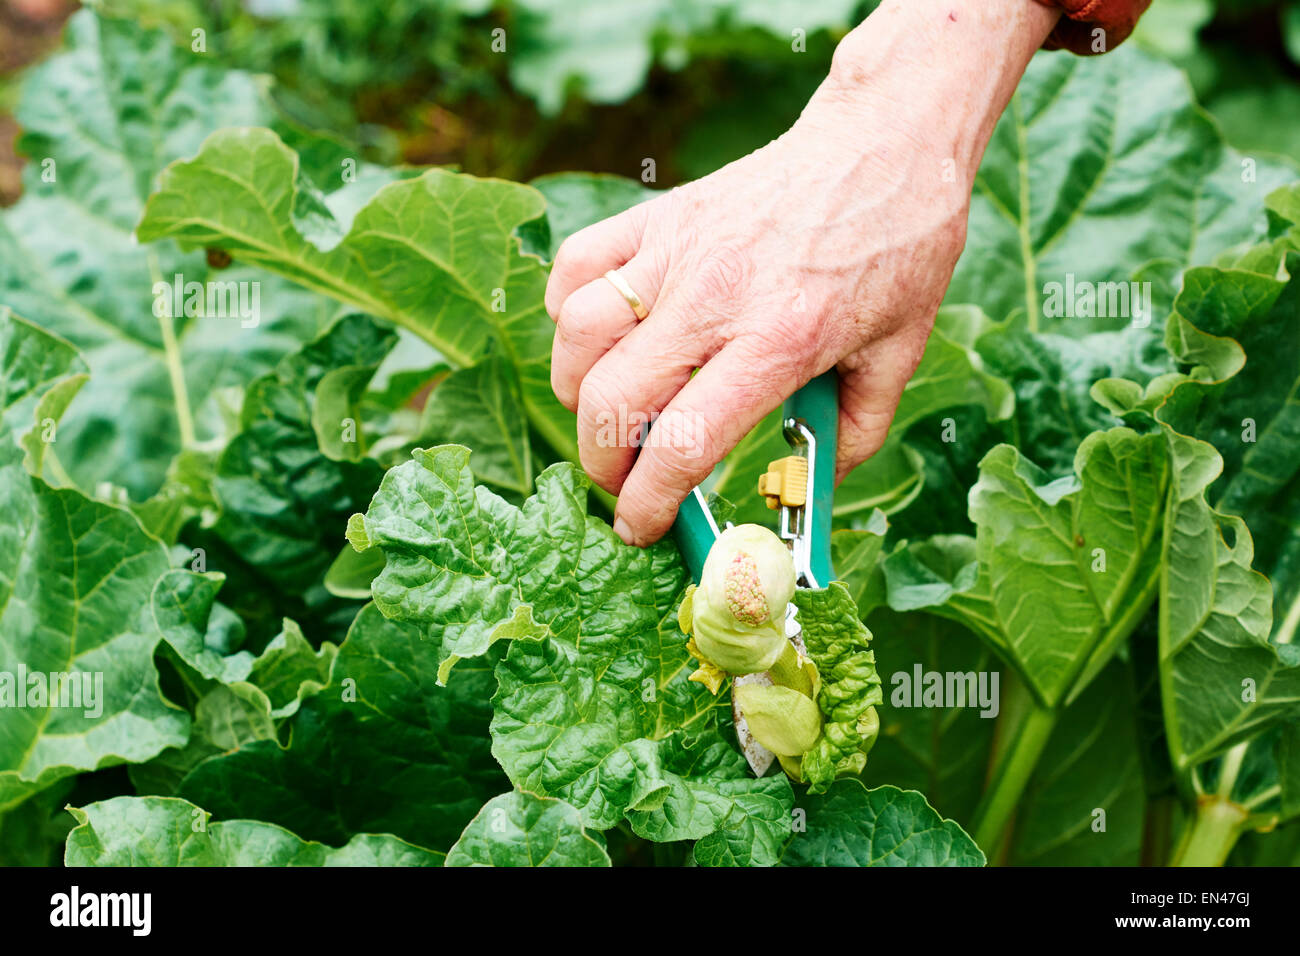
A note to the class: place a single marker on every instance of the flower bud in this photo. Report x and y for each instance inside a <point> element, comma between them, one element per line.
<point>782,720</point>
<point>738,611</point>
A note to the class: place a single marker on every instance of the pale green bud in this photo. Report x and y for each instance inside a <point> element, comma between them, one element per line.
<point>738,611</point>
<point>782,720</point>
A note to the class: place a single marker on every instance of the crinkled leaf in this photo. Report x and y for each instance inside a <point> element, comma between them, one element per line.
<point>166,831</point>
<point>1061,570</point>
<point>710,791</point>
<point>382,748</point>
<point>850,825</point>
<point>594,705</point>
<point>840,645</point>
<point>284,503</point>
<point>521,829</point>
<point>471,568</point>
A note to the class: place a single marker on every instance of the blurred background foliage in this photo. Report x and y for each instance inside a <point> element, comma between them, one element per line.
<point>605,85</point>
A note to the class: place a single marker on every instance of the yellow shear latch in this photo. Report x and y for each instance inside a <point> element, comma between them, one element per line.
<point>785,483</point>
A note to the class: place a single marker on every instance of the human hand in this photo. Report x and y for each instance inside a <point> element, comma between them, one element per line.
<point>831,247</point>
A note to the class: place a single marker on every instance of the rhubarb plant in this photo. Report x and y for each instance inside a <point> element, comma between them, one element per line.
<point>334,585</point>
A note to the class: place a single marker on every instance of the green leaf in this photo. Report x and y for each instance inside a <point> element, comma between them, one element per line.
<point>382,748</point>
<point>352,571</point>
<point>839,645</point>
<point>165,831</point>
<point>39,372</point>
<point>577,200</point>
<point>1248,411</point>
<point>238,698</point>
<point>608,744</point>
<point>182,609</point>
<point>855,556</point>
<point>952,373</point>
<point>480,407</point>
<point>289,669</point>
<point>226,717</point>
<point>437,254</point>
<point>941,751</point>
<point>1061,570</point>
<point>185,494</point>
<point>75,582</point>
<point>606,50</point>
<point>710,795</point>
<point>500,560</point>
<point>1084,805</point>
<point>852,826</point>
<point>336,412</point>
<point>753,833</point>
<point>1232,332</point>
<point>521,829</point>
<point>1221,678</point>
<point>593,705</point>
<point>32,833</point>
<point>1057,191</point>
<point>100,120</point>
<point>1056,373</point>
<point>284,499</point>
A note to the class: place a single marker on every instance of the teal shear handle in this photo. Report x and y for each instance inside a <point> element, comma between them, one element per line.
<point>810,419</point>
<point>816,407</point>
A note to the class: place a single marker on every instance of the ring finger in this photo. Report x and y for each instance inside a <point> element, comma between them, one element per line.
<point>591,322</point>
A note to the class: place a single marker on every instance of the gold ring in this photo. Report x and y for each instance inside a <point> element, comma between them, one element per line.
<point>625,290</point>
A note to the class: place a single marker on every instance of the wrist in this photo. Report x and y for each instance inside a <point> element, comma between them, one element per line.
<point>937,72</point>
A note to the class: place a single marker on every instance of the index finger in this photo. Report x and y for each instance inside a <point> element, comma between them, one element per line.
<point>718,407</point>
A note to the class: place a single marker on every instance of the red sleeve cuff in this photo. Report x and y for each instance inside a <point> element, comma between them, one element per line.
<point>1093,26</point>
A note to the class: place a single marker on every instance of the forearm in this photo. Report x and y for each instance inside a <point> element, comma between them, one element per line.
<point>953,66</point>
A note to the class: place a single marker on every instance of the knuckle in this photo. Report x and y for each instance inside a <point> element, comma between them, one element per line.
<point>778,367</point>
<point>681,442</point>
<point>584,325</point>
<point>647,509</point>
<point>574,322</point>
<point>599,395</point>
<point>574,254</point>
<point>724,276</point>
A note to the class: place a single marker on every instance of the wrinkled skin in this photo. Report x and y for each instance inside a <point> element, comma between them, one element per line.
<point>831,247</point>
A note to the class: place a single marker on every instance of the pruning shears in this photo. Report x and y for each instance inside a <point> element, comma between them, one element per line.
<point>800,488</point>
